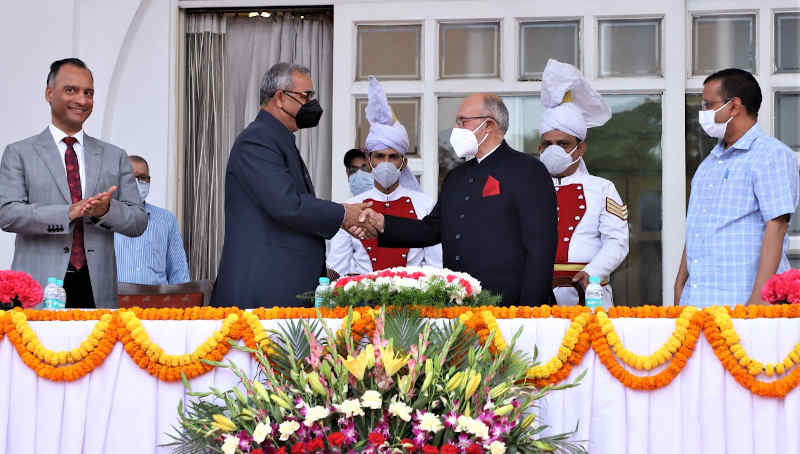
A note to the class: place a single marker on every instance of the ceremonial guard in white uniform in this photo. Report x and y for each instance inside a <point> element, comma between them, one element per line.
<point>395,192</point>
<point>592,220</point>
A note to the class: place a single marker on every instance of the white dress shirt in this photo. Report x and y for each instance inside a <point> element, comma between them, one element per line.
<point>58,136</point>
<point>487,154</point>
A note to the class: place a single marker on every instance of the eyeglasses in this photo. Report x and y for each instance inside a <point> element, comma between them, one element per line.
<point>460,121</point>
<point>143,178</point>
<point>308,95</point>
<point>705,106</point>
<point>352,169</point>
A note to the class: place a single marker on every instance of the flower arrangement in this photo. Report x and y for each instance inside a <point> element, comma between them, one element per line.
<point>409,286</point>
<point>783,288</point>
<point>18,289</point>
<point>414,386</point>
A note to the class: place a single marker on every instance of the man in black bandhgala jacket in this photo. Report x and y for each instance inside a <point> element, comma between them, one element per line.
<point>496,214</point>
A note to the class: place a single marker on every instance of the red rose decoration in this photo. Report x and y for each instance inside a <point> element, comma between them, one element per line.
<point>408,445</point>
<point>336,439</point>
<point>474,449</point>
<point>449,449</point>
<point>298,448</point>
<point>257,451</point>
<point>430,449</point>
<point>281,451</point>
<point>376,439</point>
<point>316,444</point>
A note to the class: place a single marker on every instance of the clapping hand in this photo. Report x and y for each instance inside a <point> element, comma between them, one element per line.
<point>95,206</point>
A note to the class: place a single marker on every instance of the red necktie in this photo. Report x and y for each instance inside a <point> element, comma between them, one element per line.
<point>77,257</point>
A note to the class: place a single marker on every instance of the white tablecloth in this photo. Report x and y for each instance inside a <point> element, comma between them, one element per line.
<point>118,408</point>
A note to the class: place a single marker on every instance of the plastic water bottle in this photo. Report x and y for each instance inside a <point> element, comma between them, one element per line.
<point>50,300</point>
<point>321,291</point>
<point>594,293</point>
<point>62,295</point>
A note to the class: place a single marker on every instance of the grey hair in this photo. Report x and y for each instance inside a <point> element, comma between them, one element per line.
<point>496,108</point>
<point>279,77</point>
<point>139,159</point>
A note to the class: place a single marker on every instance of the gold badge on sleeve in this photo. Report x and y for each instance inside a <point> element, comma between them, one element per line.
<point>620,211</point>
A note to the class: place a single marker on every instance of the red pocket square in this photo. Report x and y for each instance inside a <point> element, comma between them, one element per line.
<point>492,187</point>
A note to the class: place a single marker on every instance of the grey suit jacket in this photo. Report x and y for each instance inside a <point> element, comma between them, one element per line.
<point>35,200</point>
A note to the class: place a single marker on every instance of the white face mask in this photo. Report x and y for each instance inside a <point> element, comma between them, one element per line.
<point>386,174</point>
<point>710,125</point>
<point>144,189</point>
<point>556,159</point>
<point>464,142</point>
<point>360,182</point>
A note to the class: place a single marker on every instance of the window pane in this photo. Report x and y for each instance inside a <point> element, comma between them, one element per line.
<point>698,143</point>
<point>627,151</point>
<point>469,50</point>
<point>407,112</point>
<point>787,42</point>
<point>787,113</point>
<point>542,40</point>
<point>720,42</point>
<point>630,47</point>
<point>402,62</point>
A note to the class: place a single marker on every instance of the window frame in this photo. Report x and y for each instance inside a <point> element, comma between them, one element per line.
<point>520,22</point>
<point>700,14</point>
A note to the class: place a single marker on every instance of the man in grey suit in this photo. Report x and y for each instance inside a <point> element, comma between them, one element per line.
<point>43,180</point>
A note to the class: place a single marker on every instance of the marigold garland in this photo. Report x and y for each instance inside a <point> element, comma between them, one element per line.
<point>604,353</point>
<point>586,329</point>
<point>662,355</point>
<point>725,342</point>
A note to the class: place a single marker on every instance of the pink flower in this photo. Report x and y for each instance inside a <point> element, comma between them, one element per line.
<point>784,287</point>
<point>21,286</point>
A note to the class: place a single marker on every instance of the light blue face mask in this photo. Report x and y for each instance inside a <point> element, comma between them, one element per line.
<point>360,182</point>
<point>144,189</point>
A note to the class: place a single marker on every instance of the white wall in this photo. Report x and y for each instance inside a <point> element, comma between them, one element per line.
<point>128,44</point>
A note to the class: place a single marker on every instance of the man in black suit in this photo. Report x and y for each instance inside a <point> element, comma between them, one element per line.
<point>496,214</point>
<point>274,224</point>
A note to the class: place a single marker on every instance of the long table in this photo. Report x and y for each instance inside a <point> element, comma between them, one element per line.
<point>119,408</point>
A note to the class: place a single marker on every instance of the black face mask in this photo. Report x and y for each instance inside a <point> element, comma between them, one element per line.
<point>309,114</point>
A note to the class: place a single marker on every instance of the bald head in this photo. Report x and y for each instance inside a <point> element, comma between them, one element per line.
<point>487,116</point>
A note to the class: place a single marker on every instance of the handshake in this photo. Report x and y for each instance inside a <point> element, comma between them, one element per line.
<point>361,221</point>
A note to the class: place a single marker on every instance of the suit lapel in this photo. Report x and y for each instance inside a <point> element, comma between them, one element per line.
<point>48,152</point>
<point>92,160</point>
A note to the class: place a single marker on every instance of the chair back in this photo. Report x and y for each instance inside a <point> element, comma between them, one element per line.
<point>566,281</point>
<point>189,294</point>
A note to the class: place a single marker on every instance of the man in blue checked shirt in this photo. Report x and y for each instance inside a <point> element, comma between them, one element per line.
<point>742,197</point>
<point>156,257</point>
